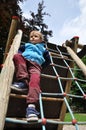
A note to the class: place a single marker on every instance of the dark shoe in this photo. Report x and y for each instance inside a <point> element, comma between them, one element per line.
<point>19,86</point>
<point>31,113</point>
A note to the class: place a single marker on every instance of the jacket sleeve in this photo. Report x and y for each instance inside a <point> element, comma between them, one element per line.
<point>47,59</point>
<point>21,49</point>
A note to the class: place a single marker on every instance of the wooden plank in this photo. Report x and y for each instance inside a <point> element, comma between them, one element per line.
<point>6,78</point>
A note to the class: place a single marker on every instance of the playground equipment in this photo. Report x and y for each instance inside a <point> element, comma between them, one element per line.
<point>56,82</point>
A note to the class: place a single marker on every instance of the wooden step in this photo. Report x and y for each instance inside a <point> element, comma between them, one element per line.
<point>44,98</point>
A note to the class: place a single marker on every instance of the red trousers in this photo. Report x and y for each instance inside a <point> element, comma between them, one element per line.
<point>28,72</point>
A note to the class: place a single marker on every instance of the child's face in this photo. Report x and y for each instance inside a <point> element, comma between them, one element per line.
<point>35,38</point>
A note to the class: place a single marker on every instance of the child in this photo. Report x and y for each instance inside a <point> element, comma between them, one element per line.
<point>30,60</point>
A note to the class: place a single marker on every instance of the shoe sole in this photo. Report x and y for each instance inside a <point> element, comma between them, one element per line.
<point>17,89</point>
<point>32,119</point>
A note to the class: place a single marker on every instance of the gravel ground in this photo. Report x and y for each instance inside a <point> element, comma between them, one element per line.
<point>71,127</point>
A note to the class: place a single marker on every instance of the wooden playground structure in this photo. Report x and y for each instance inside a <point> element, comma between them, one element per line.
<point>56,82</point>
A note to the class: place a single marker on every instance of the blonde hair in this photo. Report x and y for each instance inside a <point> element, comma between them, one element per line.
<point>37,32</point>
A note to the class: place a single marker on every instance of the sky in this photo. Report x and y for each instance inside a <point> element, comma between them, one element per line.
<point>67,18</point>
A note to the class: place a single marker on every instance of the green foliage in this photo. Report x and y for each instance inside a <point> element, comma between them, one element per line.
<point>37,22</point>
<point>10,8</point>
<point>78,116</point>
<point>79,102</point>
<point>79,75</point>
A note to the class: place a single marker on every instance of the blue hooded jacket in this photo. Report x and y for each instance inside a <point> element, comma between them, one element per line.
<point>36,52</point>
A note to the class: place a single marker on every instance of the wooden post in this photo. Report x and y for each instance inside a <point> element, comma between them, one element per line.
<point>74,45</point>
<point>78,61</point>
<point>73,52</point>
<point>11,35</point>
<point>6,78</point>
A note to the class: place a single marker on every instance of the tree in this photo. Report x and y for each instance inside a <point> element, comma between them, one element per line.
<point>9,8</point>
<point>37,22</point>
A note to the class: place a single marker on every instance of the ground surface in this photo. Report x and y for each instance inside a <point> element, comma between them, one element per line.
<point>71,127</point>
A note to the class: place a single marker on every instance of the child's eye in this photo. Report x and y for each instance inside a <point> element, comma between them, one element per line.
<point>36,36</point>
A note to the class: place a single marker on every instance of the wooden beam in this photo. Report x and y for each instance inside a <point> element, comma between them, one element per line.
<point>11,35</point>
<point>6,77</point>
<point>44,98</point>
<point>78,61</point>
